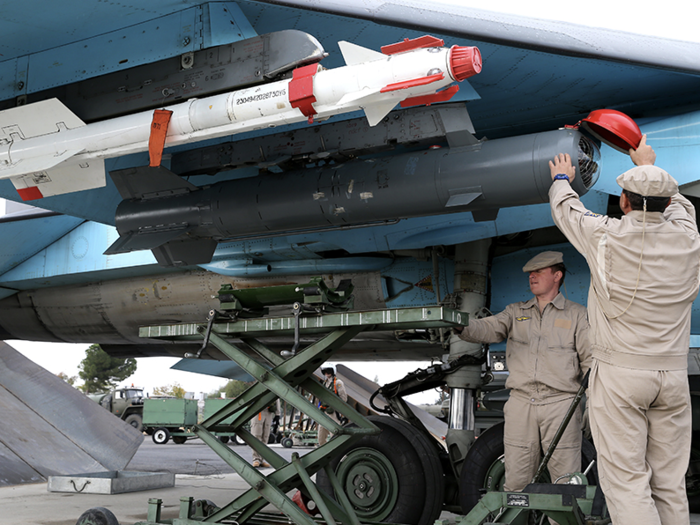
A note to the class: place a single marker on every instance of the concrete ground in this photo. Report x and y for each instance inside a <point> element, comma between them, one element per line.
<point>34,505</point>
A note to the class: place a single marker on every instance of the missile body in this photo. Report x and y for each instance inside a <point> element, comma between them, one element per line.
<point>45,136</point>
<point>482,178</point>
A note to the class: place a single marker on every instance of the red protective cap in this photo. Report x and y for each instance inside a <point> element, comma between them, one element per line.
<point>465,62</point>
<point>614,128</point>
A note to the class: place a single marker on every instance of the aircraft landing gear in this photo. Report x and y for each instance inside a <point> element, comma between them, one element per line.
<point>370,470</point>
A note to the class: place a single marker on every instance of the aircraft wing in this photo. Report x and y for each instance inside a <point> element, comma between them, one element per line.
<point>553,37</point>
<point>537,75</point>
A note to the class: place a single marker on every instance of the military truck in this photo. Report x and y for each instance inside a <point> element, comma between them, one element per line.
<point>126,403</point>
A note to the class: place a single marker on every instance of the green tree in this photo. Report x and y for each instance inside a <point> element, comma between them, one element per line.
<point>101,372</point>
<point>68,379</point>
<point>232,389</point>
<point>173,390</point>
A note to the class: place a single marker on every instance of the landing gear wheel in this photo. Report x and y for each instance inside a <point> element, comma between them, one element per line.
<point>135,421</point>
<point>161,436</point>
<point>97,516</point>
<point>287,442</point>
<point>484,470</point>
<point>179,440</point>
<point>394,476</point>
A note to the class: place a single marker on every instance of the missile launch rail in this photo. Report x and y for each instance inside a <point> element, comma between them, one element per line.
<point>282,380</point>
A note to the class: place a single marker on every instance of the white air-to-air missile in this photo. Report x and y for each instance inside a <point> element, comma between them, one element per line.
<point>45,149</point>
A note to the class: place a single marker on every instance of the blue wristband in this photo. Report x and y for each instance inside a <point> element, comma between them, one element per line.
<point>561,176</point>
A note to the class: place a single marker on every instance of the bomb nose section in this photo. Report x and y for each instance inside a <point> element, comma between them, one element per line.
<point>465,62</point>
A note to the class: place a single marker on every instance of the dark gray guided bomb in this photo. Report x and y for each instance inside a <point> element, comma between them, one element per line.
<point>182,223</point>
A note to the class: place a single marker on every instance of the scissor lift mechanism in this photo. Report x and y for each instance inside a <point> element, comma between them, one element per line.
<point>282,381</point>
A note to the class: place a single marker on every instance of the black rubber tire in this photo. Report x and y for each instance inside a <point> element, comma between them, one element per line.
<point>485,452</point>
<point>179,440</point>
<point>287,442</point>
<point>272,439</point>
<point>692,479</point>
<point>161,436</point>
<point>224,439</point>
<point>415,460</point>
<point>97,516</point>
<point>135,421</point>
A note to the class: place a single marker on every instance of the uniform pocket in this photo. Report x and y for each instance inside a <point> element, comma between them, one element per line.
<point>561,368</point>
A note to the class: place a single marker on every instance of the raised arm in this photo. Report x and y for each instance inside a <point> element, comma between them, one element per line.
<point>569,214</point>
<point>681,211</point>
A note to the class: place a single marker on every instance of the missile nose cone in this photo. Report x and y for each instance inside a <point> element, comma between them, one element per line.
<point>465,62</point>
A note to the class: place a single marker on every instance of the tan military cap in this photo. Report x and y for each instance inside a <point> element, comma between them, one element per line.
<point>543,260</point>
<point>648,181</point>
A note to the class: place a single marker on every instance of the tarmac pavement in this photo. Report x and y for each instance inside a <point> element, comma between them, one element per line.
<point>32,504</point>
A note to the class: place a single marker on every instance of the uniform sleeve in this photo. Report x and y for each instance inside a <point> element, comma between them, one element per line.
<point>682,212</point>
<point>583,343</point>
<point>571,216</point>
<point>342,394</point>
<point>492,329</point>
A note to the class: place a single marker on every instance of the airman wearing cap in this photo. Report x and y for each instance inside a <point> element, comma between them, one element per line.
<point>547,354</point>
<point>644,278</point>
<point>335,385</point>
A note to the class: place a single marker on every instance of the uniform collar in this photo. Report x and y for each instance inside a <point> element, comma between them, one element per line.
<point>652,216</point>
<point>558,302</point>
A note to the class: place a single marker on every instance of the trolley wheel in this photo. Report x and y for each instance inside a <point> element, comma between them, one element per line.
<point>97,516</point>
<point>224,439</point>
<point>394,476</point>
<point>203,508</point>
<point>179,440</point>
<point>287,442</point>
<point>484,471</point>
<point>161,436</point>
<point>237,440</point>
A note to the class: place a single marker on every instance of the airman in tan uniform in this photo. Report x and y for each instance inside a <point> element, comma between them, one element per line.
<point>644,277</point>
<point>547,355</point>
<point>260,427</point>
<point>332,383</point>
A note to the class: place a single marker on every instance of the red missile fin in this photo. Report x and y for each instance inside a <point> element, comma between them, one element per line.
<point>31,193</point>
<point>426,100</point>
<point>159,130</point>
<point>422,81</point>
<point>301,90</point>
<point>416,43</point>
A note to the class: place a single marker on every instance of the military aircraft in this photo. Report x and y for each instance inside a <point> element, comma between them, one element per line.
<point>274,218</point>
<point>299,140</point>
